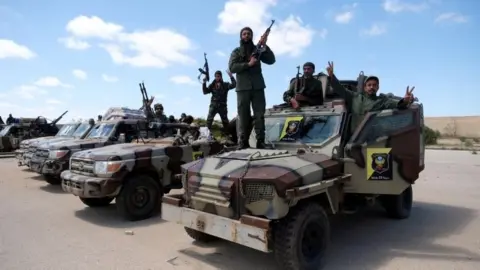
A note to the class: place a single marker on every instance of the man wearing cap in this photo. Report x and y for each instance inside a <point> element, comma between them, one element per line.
<point>359,104</point>
<point>218,103</point>
<point>307,91</point>
<point>250,87</point>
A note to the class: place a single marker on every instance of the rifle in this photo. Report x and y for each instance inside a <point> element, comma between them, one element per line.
<point>147,108</point>
<point>297,79</point>
<point>205,70</point>
<point>261,45</point>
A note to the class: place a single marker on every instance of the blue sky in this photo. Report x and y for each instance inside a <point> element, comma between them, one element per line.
<point>117,44</point>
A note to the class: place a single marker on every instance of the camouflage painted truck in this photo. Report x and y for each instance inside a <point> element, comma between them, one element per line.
<point>51,160</point>
<point>136,175</point>
<point>279,200</point>
<point>69,131</point>
<point>26,128</point>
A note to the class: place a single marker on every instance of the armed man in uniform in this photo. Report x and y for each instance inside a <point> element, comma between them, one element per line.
<point>306,91</point>
<point>161,117</point>
<point>360,103</point>
<point>250,87</point>
<point>218,103</point>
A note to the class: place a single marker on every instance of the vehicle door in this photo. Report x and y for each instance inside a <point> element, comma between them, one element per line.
<point>386,152</point>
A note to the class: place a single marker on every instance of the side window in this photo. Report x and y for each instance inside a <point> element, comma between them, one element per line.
<point>383,124</point>
<point>131,130</point>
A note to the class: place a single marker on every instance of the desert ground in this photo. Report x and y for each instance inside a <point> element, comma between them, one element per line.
<point>459,126</point>
<point>43,228</point>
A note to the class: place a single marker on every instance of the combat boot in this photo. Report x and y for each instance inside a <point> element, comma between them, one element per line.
<point>242,142</point>
<point>261,144</point>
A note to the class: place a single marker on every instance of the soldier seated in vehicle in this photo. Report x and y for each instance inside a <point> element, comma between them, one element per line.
<point>306,91</point>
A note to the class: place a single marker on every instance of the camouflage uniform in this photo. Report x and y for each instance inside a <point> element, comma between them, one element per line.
<point>311,88</point>
<point>218,102</point>
<point>250,89</point>
<point>161,117</point>
<point>360,103</point>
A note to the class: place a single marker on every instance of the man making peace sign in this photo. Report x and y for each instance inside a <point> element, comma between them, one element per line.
<point>359,104</point>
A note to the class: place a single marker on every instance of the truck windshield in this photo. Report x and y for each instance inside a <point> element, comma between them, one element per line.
<point>102,130</point>
<point>80,131</point>
<point>300,129</point>
<point>66,130</point>
<point>5,131</point>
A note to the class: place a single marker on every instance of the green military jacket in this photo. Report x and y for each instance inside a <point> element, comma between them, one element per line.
<point>359,104</point>
<point>310,88</point>
<point>249,78</point>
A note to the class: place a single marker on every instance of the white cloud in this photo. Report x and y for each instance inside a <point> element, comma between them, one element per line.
<point>376,29</point>
<point>28,91</point>
<point>451,17</point>
<point>396,6</point>
<point>11,49</point>
<point>50,81</point>
<point>323,33</point>
<point>53,101</point>
<point>108,78</point>
<point>344,17</point>
<point>80,74</point>
<point>289,37</point>
<point>220,53</point>
<point>158,48</point>
<point>74,44</point>
<point>182,79</point>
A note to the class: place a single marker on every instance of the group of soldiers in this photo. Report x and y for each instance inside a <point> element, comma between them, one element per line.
<point>250,89</point>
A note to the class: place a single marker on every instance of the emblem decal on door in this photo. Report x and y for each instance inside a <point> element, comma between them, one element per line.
<point>379,164</point>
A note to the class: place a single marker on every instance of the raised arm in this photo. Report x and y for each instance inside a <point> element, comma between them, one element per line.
<point>233,82</point>
<point>236,63</point>
<point>206,90</point>
<point>402,104</point>
<point>337,87</point>
<point>268,57</point>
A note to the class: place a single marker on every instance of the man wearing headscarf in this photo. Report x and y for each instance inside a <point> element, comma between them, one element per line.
<point>306,91</point>
<point>218,103</point>
<point>250,87</point>
<point>161,117</point>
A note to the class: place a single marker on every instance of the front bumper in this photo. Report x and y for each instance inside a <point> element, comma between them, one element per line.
<point>36,164</point>
<point>89,186</point>
<point>54,166</point>
<point>250,231</point>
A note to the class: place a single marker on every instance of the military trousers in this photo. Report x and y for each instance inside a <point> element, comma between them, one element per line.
<point>221,109</point>
<point>256,99</point>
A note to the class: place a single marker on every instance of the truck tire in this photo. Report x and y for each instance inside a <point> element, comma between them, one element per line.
<point>140,198</point>
<point>301,239</point>
<point>398,206</point>
<point>52,180</point>
<point>97,202</point>
<point>200,236</point>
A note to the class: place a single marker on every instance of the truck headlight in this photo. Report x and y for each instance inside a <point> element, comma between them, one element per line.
<point>107,167</point>
<point>57,154</point>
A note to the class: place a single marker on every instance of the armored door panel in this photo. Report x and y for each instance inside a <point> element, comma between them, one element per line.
<point>386,151</point>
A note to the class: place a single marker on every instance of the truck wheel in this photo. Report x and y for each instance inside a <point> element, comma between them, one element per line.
<point>200,236</point>
<point>140,198</point>
<point>52,180</point>
<point>301,239</point>
<point>398,206</point>
<point>97,202</point>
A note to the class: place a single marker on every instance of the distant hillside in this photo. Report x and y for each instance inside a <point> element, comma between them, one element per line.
<point>460,126</point>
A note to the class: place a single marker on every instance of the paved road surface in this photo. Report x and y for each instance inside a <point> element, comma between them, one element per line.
<point>42,228</point>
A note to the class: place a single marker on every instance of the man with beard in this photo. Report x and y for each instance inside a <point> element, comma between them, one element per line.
<point>250,86</point>
<point>309,91</point>
<point>218,103</point>
<point>360,103</point>
<point>161,117</point>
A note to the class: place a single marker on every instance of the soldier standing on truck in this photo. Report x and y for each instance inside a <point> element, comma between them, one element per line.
<point>218,103</point>
<point>306,90</point>
<point>161,117</point>
<point>250,86</point>
<point>360,103</point>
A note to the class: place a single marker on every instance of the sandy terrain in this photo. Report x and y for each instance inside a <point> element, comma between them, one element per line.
<point>43,228</point>
<point>461,126</point>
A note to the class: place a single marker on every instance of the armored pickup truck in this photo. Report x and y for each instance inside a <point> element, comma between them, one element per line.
<point>136,175</point>
<point>279,200</point>
<point>67,132</point>
<point>51,160</point>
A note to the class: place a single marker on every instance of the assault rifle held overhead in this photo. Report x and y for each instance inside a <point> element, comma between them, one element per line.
<point>261,45</point>
<point>205,70</point>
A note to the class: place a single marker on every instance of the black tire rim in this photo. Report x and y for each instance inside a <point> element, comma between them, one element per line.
<point>140,197</point>
<point>312,241</point>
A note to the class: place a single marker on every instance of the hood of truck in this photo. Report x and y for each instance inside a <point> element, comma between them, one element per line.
<point>123,151</point>
<point>281,169</point>
<point>52,141</point>
<point>79,144</point>
<point>29,142</point>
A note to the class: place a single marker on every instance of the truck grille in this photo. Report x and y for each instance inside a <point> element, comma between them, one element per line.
<point>256,192</point>
<point>42,153</point>
<point>82,166</point>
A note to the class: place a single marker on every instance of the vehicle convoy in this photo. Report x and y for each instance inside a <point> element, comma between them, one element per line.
<point>136,175</point>
<point>26,128</point>
<point>51,159</point>
<point>69,131</point>
<point>279,200</point>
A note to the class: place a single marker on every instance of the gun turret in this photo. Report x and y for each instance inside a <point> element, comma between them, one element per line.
<point>58,118</point>
<point>146,101</point>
